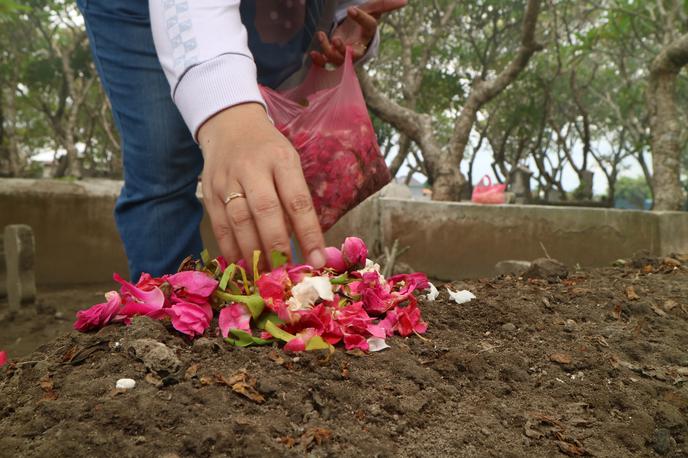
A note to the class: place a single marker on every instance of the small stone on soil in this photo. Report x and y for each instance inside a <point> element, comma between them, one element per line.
<point>509,327</point>
<point>661,441</point>
<point>570,326</point>
<point>547,269</point>
<point>125,384</point>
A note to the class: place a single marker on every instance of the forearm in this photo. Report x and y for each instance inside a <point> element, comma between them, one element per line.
<point>203,49</point>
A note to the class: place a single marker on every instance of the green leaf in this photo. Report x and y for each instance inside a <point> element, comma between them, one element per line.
<point>244,278</point>
<point>278,333</point>
<point>254,302</point>
<point>264,318</point>
<point>318,343</point>
<point>227,276</point>
<point>256,259</point>
<point>342,279</point>
<point>278,259</point>
<point>239,338</point>
<point>244,339</point>
<point>205,257</point>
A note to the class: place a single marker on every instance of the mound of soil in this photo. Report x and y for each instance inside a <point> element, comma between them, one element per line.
<point>592,364</point>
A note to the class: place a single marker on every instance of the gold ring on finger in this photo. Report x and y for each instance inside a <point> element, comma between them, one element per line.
<point>233,195</point>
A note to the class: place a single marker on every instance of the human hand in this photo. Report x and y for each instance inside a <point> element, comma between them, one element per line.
<point>356,31</point>
<point>244,153</point>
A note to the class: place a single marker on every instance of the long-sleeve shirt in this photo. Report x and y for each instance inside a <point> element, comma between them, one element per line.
<point>206,48</point>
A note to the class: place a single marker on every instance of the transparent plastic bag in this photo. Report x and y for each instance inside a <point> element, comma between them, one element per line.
<point>487,193</point>
<point>327,121</point>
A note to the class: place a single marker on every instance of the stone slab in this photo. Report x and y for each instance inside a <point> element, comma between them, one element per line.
<point>19,245</point>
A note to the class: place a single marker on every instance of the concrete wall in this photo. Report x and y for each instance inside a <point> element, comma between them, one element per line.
<point>77,242</point>
<point>74,227</point>
<point>459,240</point>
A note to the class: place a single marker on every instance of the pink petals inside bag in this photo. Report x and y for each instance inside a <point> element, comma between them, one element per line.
<point>327,121</point>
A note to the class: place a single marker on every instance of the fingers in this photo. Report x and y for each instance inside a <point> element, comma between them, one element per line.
<point>328,50</point>
<point>367,22</point>
<point>243,227</point>
<point>318,58</point>
<point>296,200</point>
<point>221,227</point>
<point>265,207</point>
<point>378,7</point>
<point>358,49</point>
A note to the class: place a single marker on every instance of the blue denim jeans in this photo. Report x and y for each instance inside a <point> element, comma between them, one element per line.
<point>157,212</point>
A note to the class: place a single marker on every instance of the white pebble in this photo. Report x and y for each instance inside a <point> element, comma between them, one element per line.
<point>125,384</point>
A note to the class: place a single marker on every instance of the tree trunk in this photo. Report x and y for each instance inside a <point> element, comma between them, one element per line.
<point>14,161</point>
<point>398,161</point>
<point>481,93</point>
<point>73,162</point>
<point>664,125</point>
<point>443,164</point>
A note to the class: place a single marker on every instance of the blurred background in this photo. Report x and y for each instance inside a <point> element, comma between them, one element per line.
<point>568,102</point>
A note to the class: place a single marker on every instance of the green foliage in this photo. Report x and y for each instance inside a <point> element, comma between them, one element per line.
<point>632,191</point>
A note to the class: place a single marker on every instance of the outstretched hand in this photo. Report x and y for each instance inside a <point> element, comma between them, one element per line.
<point>254,188</point>
<point>356,31</point>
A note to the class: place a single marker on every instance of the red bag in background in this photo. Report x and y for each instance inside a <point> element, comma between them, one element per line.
<point>487,193</point>
<point>327,121</point>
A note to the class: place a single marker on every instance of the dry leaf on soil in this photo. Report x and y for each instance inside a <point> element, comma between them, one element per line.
<point>561,358</point>
<point>47,386</point>
<point>657,310</point>
<point>192,371</point>
<point>571,449</point>
<point>631,294</point>
<point>669,304</point>
<point>315,435</point>
<point>243,384</point>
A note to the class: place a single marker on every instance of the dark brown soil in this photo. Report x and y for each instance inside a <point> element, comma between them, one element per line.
<point>594,364</point>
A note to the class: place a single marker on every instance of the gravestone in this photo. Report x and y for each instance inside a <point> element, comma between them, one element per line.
<point>520,185</point>
<point>19,261</point>
<point>554,195</point>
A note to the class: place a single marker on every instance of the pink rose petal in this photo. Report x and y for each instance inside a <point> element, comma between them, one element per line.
<point>234,316</point>
<point>352,341</point>
<point>153,299</point>
<point>98,315</point>
<point>191,319</point>
<point>196,283</point>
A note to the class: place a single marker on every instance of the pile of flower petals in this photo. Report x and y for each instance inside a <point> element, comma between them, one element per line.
<point>347,301</point>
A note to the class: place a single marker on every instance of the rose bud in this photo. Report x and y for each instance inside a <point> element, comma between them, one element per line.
<point>355,253</point>
<point>334,259</point>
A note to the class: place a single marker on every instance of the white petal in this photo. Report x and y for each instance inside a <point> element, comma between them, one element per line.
<point>303,295</point>
<point>376,344</point>
<point>432,295</point>
<point>461,297</point>
<point>372,267</point>
<point>322,286</point>
<point>294,305</point>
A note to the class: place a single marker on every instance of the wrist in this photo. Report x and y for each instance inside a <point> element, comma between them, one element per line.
<point>231,122</point>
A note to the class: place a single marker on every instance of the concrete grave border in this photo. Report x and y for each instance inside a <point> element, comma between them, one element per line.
<point>77,242</point>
